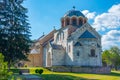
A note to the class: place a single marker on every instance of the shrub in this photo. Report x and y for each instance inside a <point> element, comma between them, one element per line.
<point>25,65</point>
<point>4,74</point>
<point>37,70</point>
<point>40,71</point>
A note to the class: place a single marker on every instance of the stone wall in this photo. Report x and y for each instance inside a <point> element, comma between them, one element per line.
<point>99,70</point>
<point>34,60</point>
<point>58,57</point>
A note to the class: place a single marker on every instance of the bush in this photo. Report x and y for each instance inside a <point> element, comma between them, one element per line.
<point>40,71</point>
<point>4,74</point>
<point>37,70</point>
<point>25,65</point>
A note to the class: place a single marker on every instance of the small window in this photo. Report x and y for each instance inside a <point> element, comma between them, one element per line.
<point>80,22</point>
<point>92,52</point>
<point>78,53</point>
<point>74,21</point>
<point>67,21</point>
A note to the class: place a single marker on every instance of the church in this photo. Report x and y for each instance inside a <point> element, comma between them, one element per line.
<point>76,43</point>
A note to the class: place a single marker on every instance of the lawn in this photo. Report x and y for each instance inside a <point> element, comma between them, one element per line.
<point>114,75</point>
<point>48,75</point>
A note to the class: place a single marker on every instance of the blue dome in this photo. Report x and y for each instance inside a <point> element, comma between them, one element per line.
<point>74,13</point>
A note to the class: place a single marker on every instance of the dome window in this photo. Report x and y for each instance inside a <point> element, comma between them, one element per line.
<point>67,21</point>
<point>74,21</point>
<point>80,22</point>
<point>62,23</point>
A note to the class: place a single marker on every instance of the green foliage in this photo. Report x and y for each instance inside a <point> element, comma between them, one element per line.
<point>36,71</point>
<point>40,71</point>
<point>25,65</point>
<point>15,70</point>
<point>14,31</point>
<point>112,57</point>
<point>106,56</point>
<point>4,74</point>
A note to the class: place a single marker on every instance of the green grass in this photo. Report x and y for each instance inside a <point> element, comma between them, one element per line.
<point>48,75</point>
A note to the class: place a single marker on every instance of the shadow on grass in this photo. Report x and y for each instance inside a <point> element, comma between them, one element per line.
<point>112,74</point>
<point>62,77</point>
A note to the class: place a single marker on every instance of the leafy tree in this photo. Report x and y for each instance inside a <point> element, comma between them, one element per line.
<point>106,58</point>
<point>14,31</point>
<point>3,68</point>
<point>112,57</point>
<point>115,59</point>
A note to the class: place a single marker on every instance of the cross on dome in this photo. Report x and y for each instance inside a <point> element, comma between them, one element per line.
<point>74,7</point>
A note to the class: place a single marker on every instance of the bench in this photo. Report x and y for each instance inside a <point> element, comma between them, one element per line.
<point>24,71</point>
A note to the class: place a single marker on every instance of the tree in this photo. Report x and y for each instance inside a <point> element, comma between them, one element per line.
<point>106,58</point>
<point>115,59</point>
<point>3,68</point>
<point>112,57</point>
<point>14,31</point>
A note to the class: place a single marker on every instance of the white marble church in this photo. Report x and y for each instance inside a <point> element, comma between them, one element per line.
<point>76,43</point>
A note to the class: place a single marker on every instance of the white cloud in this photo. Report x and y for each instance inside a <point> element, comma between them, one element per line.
<point>89,15</point>
<point>112,38</point>
<point>109,20</point>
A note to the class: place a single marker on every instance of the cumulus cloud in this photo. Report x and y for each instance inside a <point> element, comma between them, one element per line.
<point>108,20</point>
<point>89,15</point>
<point>112,38</point>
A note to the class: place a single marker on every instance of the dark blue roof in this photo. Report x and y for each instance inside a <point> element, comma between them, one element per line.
<point>74,12</point>
<point>87,34</point>
<point>77,44</point>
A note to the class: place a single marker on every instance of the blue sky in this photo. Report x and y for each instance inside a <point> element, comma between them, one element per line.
<point>104,15</point>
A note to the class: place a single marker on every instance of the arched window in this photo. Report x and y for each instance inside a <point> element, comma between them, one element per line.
<point>67,21</point>
<point>92,52</point>
<point>80,22</point>
<point>62,23</point>
<point>85,21</point>
<point>74,21</point>
<point>78,53</point>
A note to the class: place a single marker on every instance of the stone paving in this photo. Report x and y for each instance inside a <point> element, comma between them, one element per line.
<point>31,77</point>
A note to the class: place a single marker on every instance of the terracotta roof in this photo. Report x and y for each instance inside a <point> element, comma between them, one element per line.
<point>71,29</point>
<point>47,38</point>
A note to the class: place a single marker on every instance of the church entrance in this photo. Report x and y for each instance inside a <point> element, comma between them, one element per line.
<point>48,59</point>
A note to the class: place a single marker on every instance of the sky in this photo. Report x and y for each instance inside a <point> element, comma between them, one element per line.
<point>103,15</point>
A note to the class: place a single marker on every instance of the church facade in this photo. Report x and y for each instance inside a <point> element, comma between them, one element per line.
<point>76,43</point>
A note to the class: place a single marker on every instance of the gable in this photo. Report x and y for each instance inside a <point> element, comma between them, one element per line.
<point>34,51</point>
<point>77,44</point>
<point>87,34</point>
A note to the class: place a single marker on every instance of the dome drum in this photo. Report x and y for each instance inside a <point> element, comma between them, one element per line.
<point>73,17</point>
